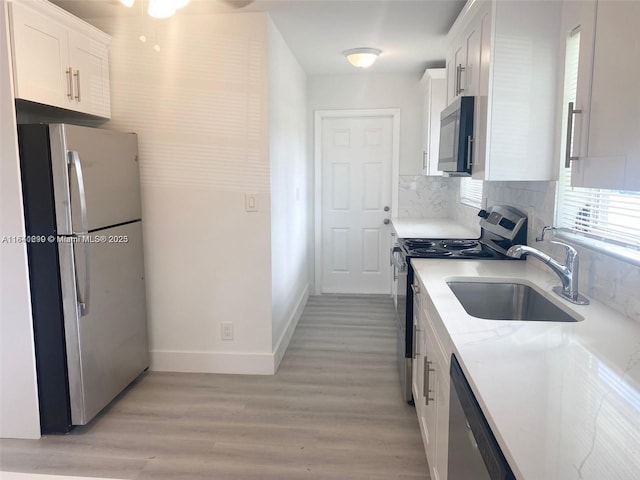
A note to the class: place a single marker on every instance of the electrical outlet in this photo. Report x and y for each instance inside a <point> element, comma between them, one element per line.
<point>227,330</point>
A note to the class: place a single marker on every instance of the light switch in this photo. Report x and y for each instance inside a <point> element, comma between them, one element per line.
<point>250,202</point>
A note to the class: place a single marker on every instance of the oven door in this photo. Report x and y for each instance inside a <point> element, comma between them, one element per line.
<point>400,275</point>
<point>474,452</point>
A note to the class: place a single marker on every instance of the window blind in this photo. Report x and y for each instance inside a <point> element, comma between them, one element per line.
<point>471,192</point>
<point>611,216</point>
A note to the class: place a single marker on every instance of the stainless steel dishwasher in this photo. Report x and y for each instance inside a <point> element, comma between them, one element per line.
<point>474,452</point>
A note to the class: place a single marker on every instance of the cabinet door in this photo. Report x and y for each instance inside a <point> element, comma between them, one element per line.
<point>480,131</point>
<point>90,62</point>
<point>608,149</point>
<point>439,468</point>
<point>459,64</point>
<point>451,76</point>
<point>417,374</point>
<point>40,58</point>
<point>471,74</point>
<point>434,82</point>
<point>430,393</point>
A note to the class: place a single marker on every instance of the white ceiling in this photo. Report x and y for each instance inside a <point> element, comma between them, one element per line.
<point>410,33</point>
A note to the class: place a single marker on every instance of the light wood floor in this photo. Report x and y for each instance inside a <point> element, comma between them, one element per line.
<point>333,411</point>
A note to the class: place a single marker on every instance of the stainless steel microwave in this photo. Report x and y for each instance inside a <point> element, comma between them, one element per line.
<point>456,138</point>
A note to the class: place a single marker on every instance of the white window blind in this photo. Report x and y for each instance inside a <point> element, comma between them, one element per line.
<point>471,192</point>
<point>611,216</point>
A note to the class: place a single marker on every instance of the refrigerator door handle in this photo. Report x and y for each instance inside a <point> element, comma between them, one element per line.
<point>74,160</point>
<point>83,298</point>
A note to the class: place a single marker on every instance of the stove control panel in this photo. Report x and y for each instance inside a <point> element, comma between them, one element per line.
<point>505,221</point>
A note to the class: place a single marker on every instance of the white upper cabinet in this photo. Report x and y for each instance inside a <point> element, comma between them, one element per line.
<point>435,98</point>
<point>510,52</point>
<point>606,142</point>
<point>58,59</point>
<point>463,62</point>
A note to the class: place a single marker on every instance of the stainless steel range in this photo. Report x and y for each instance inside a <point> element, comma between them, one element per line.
<point>501,227</point>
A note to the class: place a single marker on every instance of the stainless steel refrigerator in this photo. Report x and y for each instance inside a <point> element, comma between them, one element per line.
<point>81,191</point>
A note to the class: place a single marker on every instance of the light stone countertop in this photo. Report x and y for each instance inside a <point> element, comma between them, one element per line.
<point>36,476</point>
<point>432,228</point>
<point>563,399</point>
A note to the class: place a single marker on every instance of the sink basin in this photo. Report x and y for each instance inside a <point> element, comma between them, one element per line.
<point>507,301</point>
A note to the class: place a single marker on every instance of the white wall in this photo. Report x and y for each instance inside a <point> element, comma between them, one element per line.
<point>369,90</point>
<point>290,170</point>
<point>200,108</point>
<point>19,414</point>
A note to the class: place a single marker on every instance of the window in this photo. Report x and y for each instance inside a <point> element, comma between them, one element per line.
<point>610,217</point>
<point>471,192</point>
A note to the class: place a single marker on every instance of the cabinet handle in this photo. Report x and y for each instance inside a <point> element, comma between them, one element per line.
<point>469,150</point>
<point>459,69</point>
<point>415,288</point>
<point>414,349</point>
<point>77,75</point>
<point>425,159</point>
<point>455,81</point>
<point>69,73</point>
<point>426,390</point>
<point>568,157</point>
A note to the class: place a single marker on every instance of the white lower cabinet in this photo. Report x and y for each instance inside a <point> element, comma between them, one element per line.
<point>431,385</point>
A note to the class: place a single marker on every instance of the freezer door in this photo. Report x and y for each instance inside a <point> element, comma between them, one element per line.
<point>107,345</point>
<point>96,177</point>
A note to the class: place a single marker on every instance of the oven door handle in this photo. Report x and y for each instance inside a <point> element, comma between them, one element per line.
<point>397,259</point>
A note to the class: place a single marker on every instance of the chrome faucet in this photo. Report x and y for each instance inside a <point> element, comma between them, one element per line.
<point>568,272</point>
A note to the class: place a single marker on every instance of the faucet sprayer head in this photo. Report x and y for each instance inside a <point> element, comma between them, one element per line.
<point>515,251</point>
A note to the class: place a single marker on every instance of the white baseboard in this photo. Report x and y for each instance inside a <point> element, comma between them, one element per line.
<point>212,362</point>
<point>230,362</point>
<point>285,338</point>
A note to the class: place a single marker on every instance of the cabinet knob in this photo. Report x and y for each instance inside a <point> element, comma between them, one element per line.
<point>386,221</point>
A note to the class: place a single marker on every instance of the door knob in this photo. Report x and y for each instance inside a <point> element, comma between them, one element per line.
<point>386,209</point>
<point>386,221</point>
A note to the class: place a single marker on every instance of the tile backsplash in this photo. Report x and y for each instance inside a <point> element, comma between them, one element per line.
<point>602,277</point>
<point>423,197</point>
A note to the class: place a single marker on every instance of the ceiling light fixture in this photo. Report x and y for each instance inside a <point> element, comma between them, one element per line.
<point>362,57</point>
<point>160,8</point>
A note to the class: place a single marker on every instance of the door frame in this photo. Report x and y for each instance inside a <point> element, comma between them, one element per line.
<point>319,116</point>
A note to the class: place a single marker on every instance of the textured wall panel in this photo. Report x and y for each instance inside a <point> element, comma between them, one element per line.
<point>199,105</point>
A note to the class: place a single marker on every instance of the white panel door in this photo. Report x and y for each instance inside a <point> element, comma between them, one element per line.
<point>356,188</point>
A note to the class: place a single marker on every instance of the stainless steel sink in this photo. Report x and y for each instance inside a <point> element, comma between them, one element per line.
<point>507,301</point>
